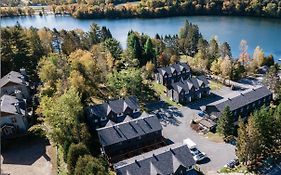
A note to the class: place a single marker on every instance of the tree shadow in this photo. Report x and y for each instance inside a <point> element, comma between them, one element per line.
<point>25,151</point>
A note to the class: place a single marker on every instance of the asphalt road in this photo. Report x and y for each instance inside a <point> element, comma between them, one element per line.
<point>178,128</point>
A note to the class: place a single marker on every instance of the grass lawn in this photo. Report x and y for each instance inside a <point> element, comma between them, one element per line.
<point>214,137</point>
<point>239,169</point>
<point>160,91</point>
<point>215,85</point>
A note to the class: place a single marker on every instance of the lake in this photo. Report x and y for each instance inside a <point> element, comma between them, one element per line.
<point>263,32</point>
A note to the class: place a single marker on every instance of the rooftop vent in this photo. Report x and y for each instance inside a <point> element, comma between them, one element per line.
<point>136,161</point>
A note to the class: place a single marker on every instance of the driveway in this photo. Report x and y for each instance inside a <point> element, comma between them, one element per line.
<point>28,157</point>
<point>218,153</point>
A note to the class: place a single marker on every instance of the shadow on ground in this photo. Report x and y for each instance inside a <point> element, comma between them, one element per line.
<point>204,161</point>
<point>204,101</point>
<point>25,151</point>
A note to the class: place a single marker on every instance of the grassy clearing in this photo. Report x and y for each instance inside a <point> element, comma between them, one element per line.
<point>160,91</point>
<point>215,85</point>
<point>214,137</point>
<point>238,169</point>
<point>62,166</point>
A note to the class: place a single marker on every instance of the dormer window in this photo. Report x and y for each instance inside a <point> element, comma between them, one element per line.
<point>120,114</point>
<point>136,110</point>
<point>103,119</point>
<point>165,76</point>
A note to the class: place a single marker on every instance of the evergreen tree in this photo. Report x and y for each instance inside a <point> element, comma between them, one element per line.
<point>225,50</point>
<point>226,123</point>
<point>134,48</point>
<point>254,142</point>
<point>242,142</point>
<point>149,50</point>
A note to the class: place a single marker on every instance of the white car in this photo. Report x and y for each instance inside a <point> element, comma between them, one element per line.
<point>197,155</point>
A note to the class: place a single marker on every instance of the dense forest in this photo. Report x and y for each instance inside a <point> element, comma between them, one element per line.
<point>75,69</point>
<point>160,8</point>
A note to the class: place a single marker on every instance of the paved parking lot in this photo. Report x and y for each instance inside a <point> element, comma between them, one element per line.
<point>28,157</point>
<point>176,128</point>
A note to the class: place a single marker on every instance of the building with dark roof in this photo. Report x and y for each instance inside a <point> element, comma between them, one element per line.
<point>15,81</point>
<point>172,73</point>
<point>129,136</point>
<point>13,116</point>
<point>188,90</point>
<point>172,159</point>
<point>242,104</point>
<point>112,112</point>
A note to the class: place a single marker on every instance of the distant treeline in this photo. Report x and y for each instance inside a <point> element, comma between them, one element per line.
<point>16,11</point>
<point>166,8</point>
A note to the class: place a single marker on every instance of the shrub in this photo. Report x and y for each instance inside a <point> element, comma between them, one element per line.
<point>75,150</point>
<point>88,165</point>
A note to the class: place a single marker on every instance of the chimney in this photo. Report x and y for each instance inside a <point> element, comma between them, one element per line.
<point>23,71</point>
<point>17,105</point>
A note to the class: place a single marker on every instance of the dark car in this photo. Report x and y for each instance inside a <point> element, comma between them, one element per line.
<point>232,163</point>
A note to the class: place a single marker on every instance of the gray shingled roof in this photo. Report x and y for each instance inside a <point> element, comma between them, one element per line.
<point>143,125</point>
<point>186,85</point>
<point>14,77</point>
<point>8,105</point>
<point>178,67</point>
<point>116,106</point>
<point>165,160</point>
<point>244,98</point>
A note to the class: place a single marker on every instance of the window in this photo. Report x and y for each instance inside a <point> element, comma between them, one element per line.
<point>103,118</point>
<point>120,114</point>
<point>136,110</point>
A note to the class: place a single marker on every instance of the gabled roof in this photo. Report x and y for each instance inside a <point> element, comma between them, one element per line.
<point>169,70</point>
<point>116,106</point>
<point>203,79</point>
<point>12,105</point>
<point>13,77</point>
<point>128,130</point>
<point>186,85</point>
<point>180,86</point>
<point>244,98</point>
<point>165,160</point>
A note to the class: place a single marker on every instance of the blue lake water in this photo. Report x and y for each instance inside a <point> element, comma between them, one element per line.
<point>262,32</point>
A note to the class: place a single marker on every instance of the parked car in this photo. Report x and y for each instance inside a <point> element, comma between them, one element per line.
<point>232,163</point>
<point>197,154</point>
